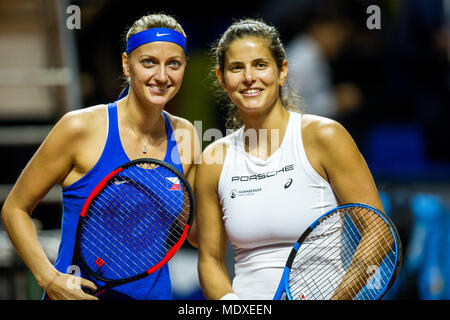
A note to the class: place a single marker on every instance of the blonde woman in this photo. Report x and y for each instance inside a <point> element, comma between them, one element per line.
<point>87,144</point>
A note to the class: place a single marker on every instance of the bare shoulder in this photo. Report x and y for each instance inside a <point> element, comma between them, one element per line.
<point>323,131</point>
<point>66,152</point>
<point>326,141</point>
<point>338,159</point>
<point>179,122</point>
<point>77,123</point>
<point>86,129</point>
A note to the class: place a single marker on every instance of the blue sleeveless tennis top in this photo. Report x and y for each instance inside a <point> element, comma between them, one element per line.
<point>155,286</point>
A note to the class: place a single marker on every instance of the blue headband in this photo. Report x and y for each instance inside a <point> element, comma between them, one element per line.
<point>152,35</point>
<point>155,34</point>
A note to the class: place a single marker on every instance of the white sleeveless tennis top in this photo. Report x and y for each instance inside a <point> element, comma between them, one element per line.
<point>266,205</point>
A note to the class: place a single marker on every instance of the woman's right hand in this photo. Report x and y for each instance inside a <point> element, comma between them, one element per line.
<point>68,287</point>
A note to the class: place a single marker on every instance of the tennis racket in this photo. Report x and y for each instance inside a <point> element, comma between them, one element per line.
<point>351,252</point>
<point>133,222</point>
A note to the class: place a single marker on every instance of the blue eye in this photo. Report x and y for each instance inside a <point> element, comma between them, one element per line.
<point>175,64</point>
<point>147,62</point>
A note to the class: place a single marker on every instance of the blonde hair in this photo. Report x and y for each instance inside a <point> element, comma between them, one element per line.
<point>156,20</point>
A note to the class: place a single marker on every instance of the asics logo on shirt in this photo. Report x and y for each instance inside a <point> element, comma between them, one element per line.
<point>288,183</point>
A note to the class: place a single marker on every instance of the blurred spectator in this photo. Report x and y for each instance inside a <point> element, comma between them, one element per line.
<point>417,70</point>
<point>310,53</point>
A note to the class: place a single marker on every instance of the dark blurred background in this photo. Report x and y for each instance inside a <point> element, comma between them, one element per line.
<point>382,71</point>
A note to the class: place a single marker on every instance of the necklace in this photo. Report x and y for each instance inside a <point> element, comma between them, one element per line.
<point>144,147</point>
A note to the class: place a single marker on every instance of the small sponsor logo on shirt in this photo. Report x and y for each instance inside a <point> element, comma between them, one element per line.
<point>244,193</point>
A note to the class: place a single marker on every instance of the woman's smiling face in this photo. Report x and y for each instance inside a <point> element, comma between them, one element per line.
<point>156,71</point>
<point>250,75</point>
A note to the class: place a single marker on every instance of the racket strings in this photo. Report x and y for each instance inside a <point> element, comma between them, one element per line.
<point>383,251</point>
<point>120,218</point>
<point>328,283</point>
<point>158,201</point>
<point>327,278</point>
<point>175,201</point>
<point>136,257</point>
<point>161,227</point>
<point>320,282</point>
<point>157,229</point>
<point>359,267</point>
<point>106,245</point>
<point>158,223</point>
<point>304,257</point>
<point>185,212</point>
<point>155,232</point>
<point>118,265</point>
<point>114,252</point>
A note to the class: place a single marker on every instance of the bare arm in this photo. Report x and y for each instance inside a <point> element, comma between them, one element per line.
<point>337,159</point>
<point>51,163</point>
<point>376,242</point>
<point>193,232</point>
<point>214,278</point>
<point>189,148</point>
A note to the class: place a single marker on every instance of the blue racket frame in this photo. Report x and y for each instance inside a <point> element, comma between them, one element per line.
<point>283,287</point>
